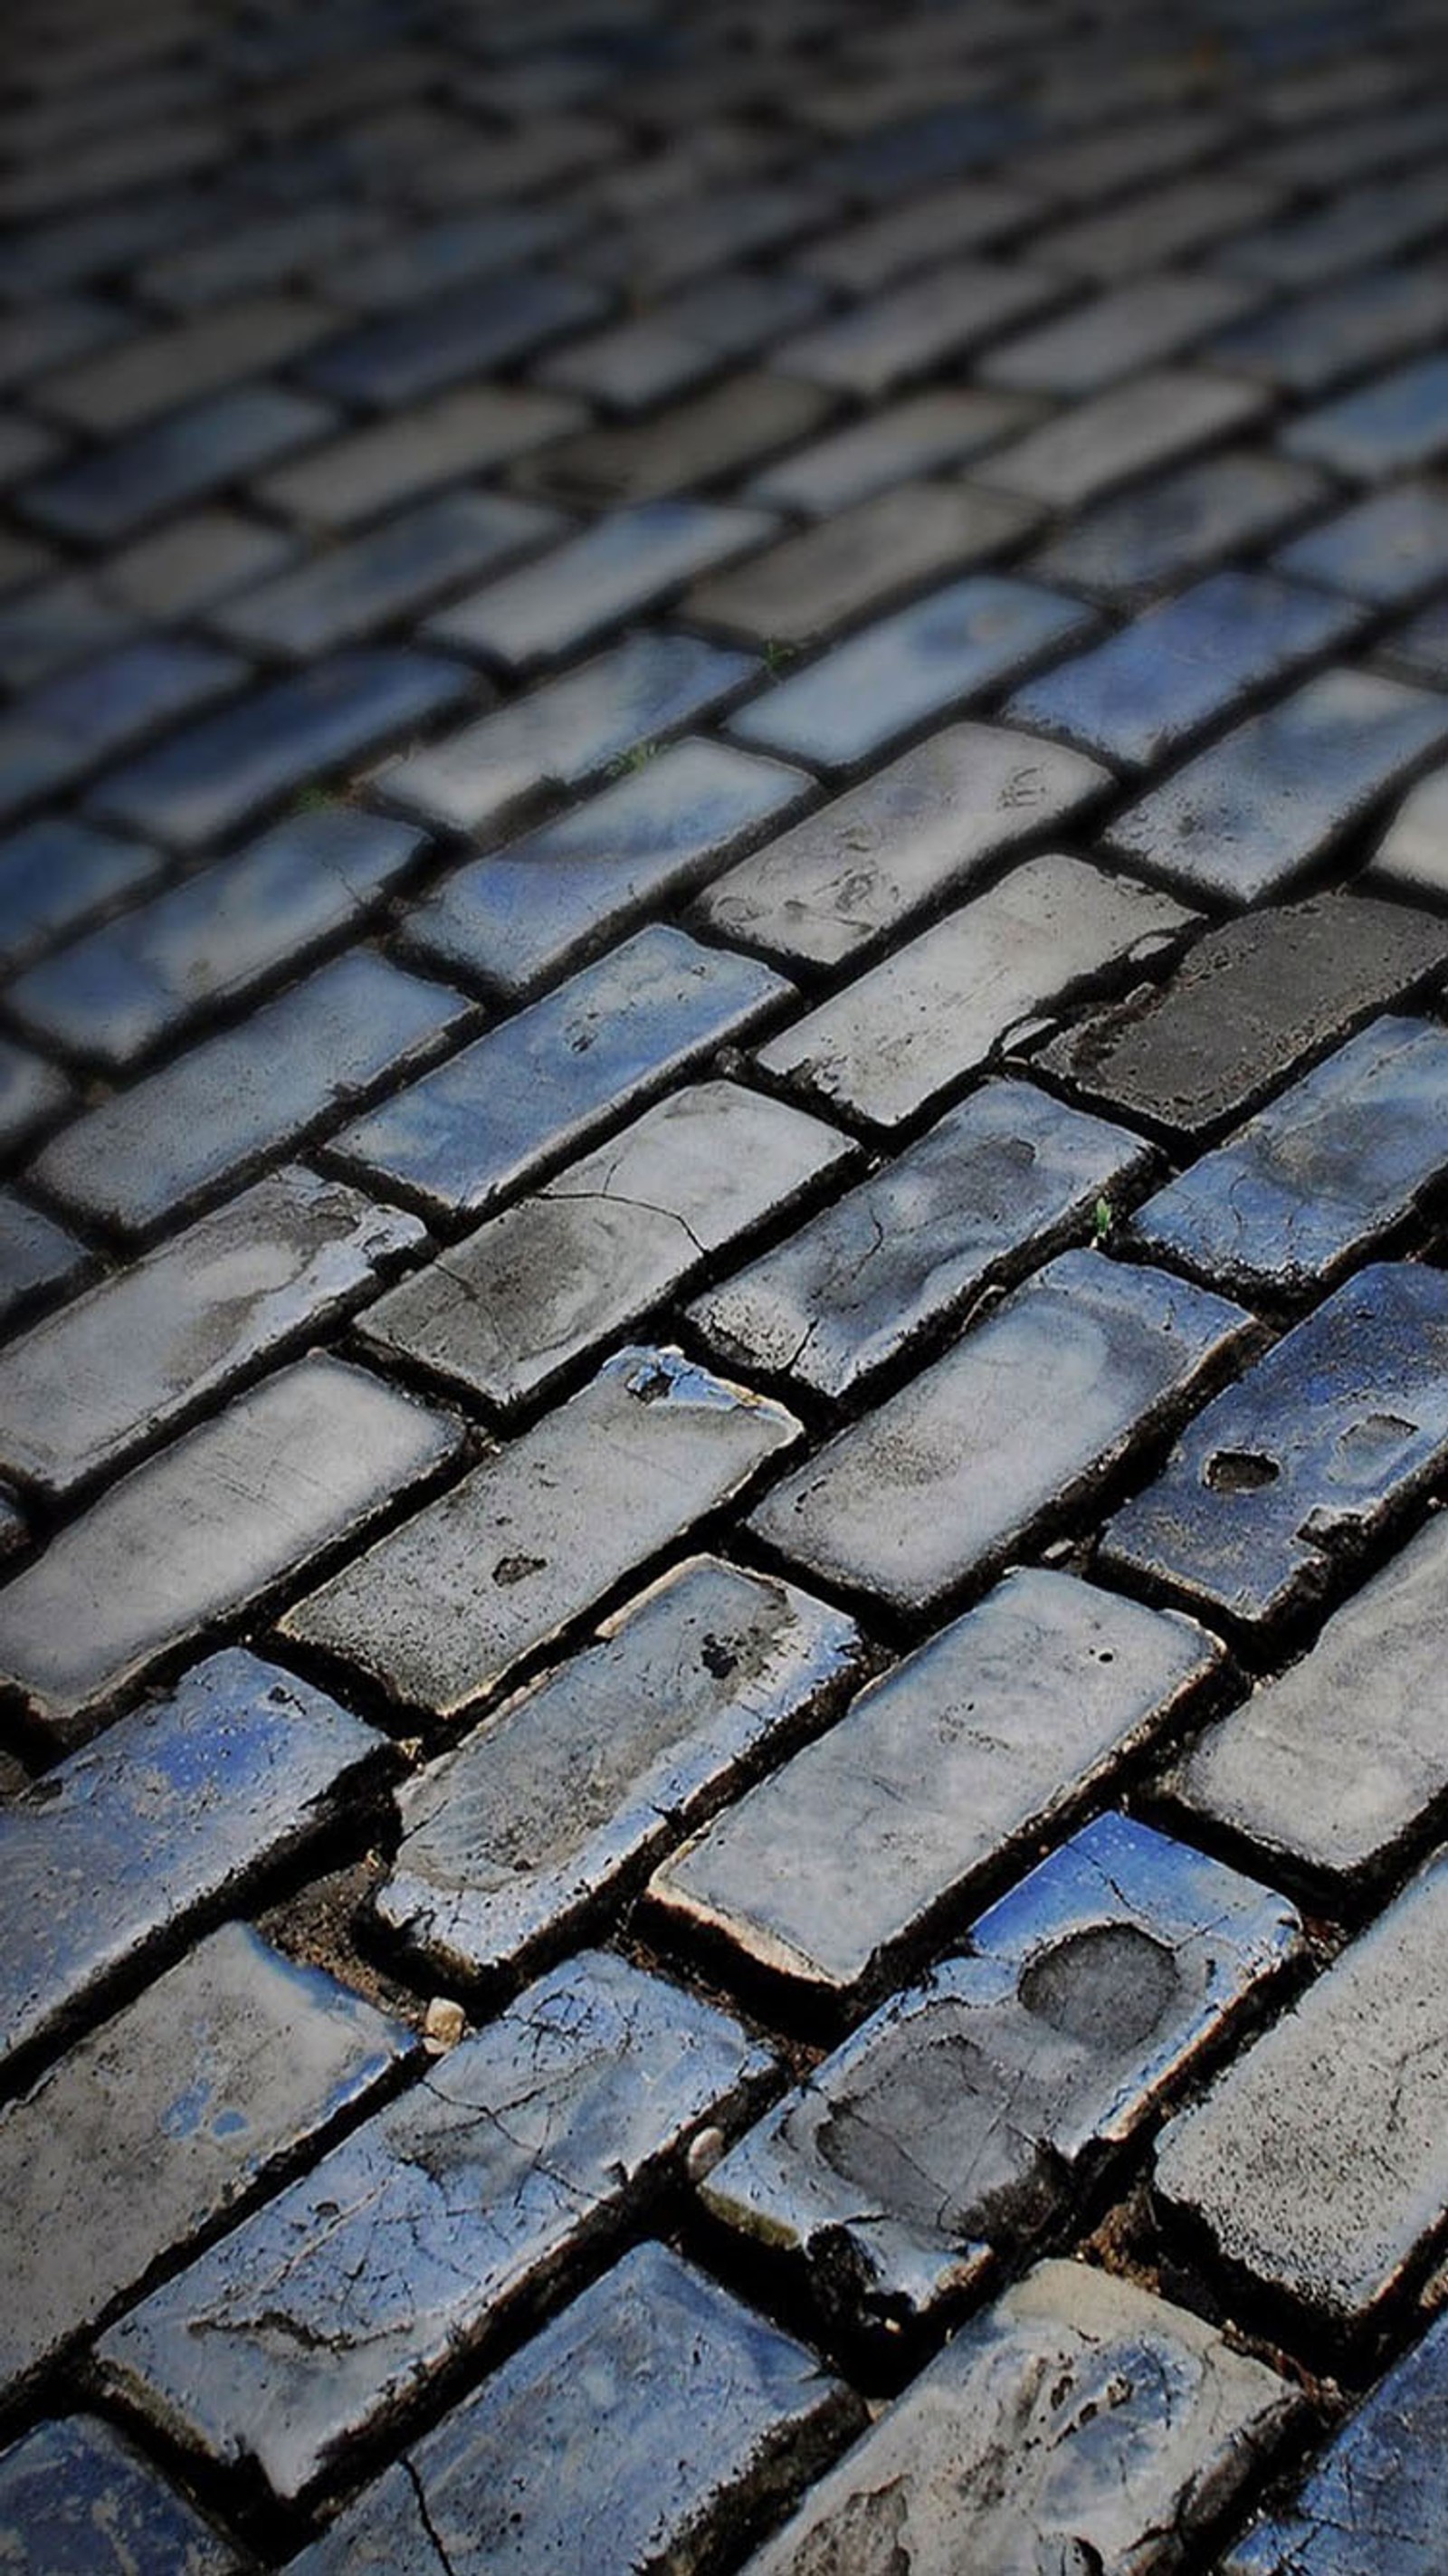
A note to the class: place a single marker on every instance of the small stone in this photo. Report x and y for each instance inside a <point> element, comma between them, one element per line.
<point>443,2024</point>
<point>75,2496</point>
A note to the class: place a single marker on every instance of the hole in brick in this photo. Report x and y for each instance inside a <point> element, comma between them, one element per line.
<point>1241,1471</point>
<point>1107,1986</point>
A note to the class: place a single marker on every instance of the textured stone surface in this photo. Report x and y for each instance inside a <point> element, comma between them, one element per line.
<point>1296,1468</point>
<point>1119,434</point>
<point>803,590</point>
<point>343,595</point>
<point>1079,2418</point>
<point>1134,545</point>
<point>1316,2161</point>
<point>943,1768</point>
<point>115,491</point>
<point>720,432</point>
<point>55,874</point>
<point>596,580</point>
<point>921,435</point>
<point>1413,852</point>
<point>1372,2503</point>
<point>957,2119</point>
<point>36,1254</point>
<point>346,480</point>
<point>1386,550</point>
<point>77,2500</point>
<point>312,2319</point>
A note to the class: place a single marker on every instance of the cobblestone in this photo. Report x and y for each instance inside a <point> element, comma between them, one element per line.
<point>1371,2500</point>
<point>74,2494</point>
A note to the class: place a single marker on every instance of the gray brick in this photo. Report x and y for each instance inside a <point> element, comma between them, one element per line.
<point>675,346</point>
<point>558,1274</point>
<point>900,1035</point>
<point>76,2488</point>
<point>76,721</point>
<point>148,1345</point>
<point>290,2339</point>
<point>1411,855</point>
<point>1386,550</point>
<point>123,1847</point>
<point>426,347</point>
<point>403,267</point>
<point>922,435</point>
<point>1184,664</point>
<point>996,1185</point>
<point>250,1092</point>
<point>880,344</point>
<point>266,251</point>
<point>153,371</point>
<point>1128,327</point>
<point>657,2389</point>
<point>206,1527</point>
<point>1317,2162</point>
<point>967,215</point>
<point>961,2116</point>
<point>346,592</point>
<point>21,560</point>
<point>117,990</point>
<point>1107,161</point>
<point>1288,1475</point>
<point>699,442</point>
<point>622,564</point>
<point>73,249</point>
<point>115,491</point>
<point>1080,2413</point>
<point>32,1094</point>
<point>564,733</point>
<point>1011,1427</point>
<point>904,838</point>
<point>393,461</point>
<point>25,448</point>
<point>572,1508</point>
<point>1419,650</point>
<point>802,590</point>
<point>167,2120</point>
<point>56,874</point>
<point>1311,1183</point>
<point>192,562</point>
<point>216,775</point>
<point>136,156</point>
<point>1392,426</point>
<point>955,643</point>
<point>519,1837</point>
<point>1355,229</point>
<point>1150,538</point>
<point>548,149</point>
<point>39,336</point>
<point>713,228</point>
<point>1337,330</point>
<point>57,624</point>
<point>1260,807</point>
<point>36,1254</point>
<point>546,901</point>
<point>1122,434</point>
<point>1170,223</point>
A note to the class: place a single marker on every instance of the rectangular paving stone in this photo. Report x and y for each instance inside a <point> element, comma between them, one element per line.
<point>117,990</point>
<point>543,1529</point>
<point>472,330</point>
<point>828,577</point>
<point>956,642</point>
<point>547,900</point>
<point>1317,2161</point>
<point>53,625</point>
<point>1246,1006</point>
<point>894,1040</point>
<point>921,435</point>
<point>1337,330</point>
<point>1184,664</point>
<point>1261,806</point>
<point>916,831</point>
<point>721,432</point>
<point>36,337</point>
<point>967,214</point>
<point>1315,1179</point>
<point>900,154</point>
<point>32,1095</point>
<point>1182,523</point>
<point>265,251</point>
<point>179,1807</point>
<point>123,1362</point>
<point>1412,856</point>
<point>113,492</point>
<point>56,873</point>
<point>346,592</point>
<point>1272,1490</point>
<point>961,2117</point>
<point>394,267</point>
<point>36,1255</point>
<point>154,370</point>
<point>195,560</point>
<point>531,1091</point>
<point>708,229</point>
<point>213,777</point>
<point>676,345</point>
<point>998,1183</point>
<point>1387,550</point>
<point>1080,2413</point>
<point>1355,228</point>
<point>411,2243</point>
<point>1121,434</point>
<point>657,2389</point>
<point>1394,425</point>
<point>1115,333</point>
<point>565,732</point>
<point>559,1273</point>
<point>391,462</point>
<point>911,329</point>
<point>206,1527</point>
<point>1418,650</point>
<point>67,728</point>
<point>1207,212</point>
<point>620,565</point>
<point>76,2487</point>
<point>518,1838</point>
<point>213,1115</point>
<point>165,2121</point>
<point>1015,1423</point>
<point>1373,2498</point>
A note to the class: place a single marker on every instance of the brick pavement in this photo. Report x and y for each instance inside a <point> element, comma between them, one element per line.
<point>724,905</point>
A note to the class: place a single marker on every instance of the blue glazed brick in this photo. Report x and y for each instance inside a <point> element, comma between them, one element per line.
<point>409,2244</point>
<point>348,591</point>
<point>1297,1466</point>
<point>203,1121</point>
<point>1310,1183</point>
<point>208,780</point>
<point>56,873</point>
<point>417,352</point>
<point>1389,427</point>
<point>1135,697</point>
<point>1250,814</point>
<point>897,674</point>
<point>961,2115</point>
<point>1180,524</point>
<point>543,902</point>
<point>35,1254</point>
<point>535,1089</point>
<point>623,563</point>
<point>174,1809</point>
<point>116,490</point>
<point>117,991</point>
<point>564,733</point>
<point>656,2389</point>
<point>1337,331</point>
<point>76,722</point>
<point>1372,2503</point>
<point>77,2500</point>
<point>1386,550</point>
